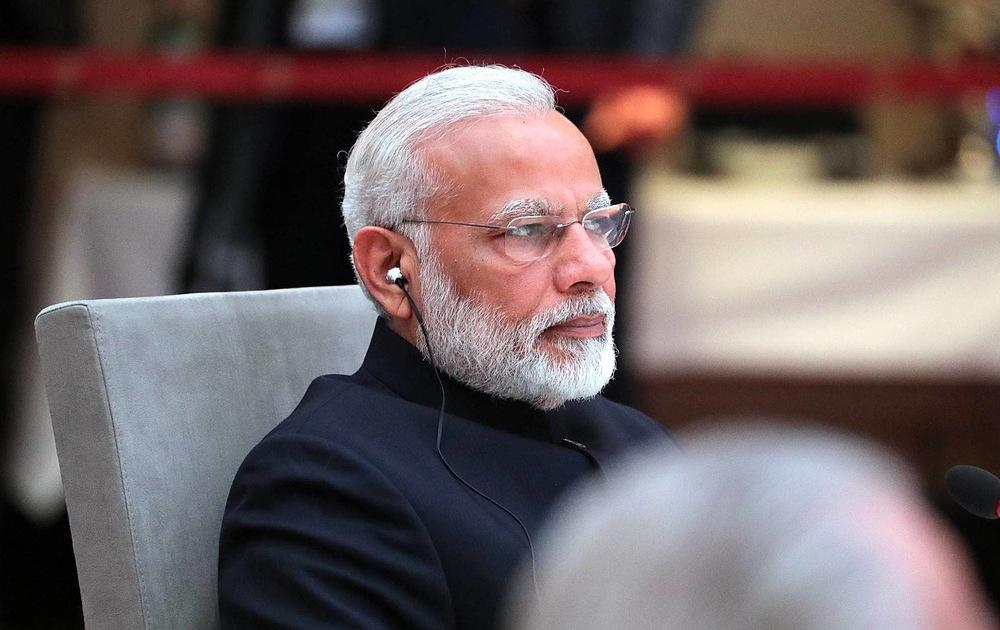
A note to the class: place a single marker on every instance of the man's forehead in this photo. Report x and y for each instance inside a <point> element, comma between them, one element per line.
<point>511,135</point>
<point>541,206</point>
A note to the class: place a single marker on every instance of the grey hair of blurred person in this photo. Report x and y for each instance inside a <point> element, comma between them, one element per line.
<point>386,177</point>
<point>749,529</point>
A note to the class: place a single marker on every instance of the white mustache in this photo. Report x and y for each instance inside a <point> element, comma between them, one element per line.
<point>597,303</point>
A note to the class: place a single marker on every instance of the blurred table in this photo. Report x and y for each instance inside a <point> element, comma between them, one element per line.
<point>872,307</point>
<point>818,279</point>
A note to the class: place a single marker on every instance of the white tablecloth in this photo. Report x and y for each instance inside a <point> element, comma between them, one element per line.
<point>880,279</point>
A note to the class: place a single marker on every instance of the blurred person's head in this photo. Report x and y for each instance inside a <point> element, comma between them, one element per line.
<point>433,186</point>
<point>762,530</point>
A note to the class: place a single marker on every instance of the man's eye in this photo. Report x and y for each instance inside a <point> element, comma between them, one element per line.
<point>600,224</point>
<point>528,230</point>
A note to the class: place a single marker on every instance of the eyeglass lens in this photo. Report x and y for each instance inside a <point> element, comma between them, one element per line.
<point>531,238</point>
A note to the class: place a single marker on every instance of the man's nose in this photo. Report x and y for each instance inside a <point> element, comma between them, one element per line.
<point>581,263</point>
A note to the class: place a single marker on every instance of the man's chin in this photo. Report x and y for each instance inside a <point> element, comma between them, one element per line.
<point>549,403</point>
<point>561,350</point>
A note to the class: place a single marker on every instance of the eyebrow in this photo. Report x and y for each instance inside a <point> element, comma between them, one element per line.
<point>600,200</point>
<point>541,207</point>
<point>521,208</point>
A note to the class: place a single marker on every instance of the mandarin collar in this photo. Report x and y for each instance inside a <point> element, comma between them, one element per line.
<point>398,365</point>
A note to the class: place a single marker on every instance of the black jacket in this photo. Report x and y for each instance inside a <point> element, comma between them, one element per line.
<point>345,516</point>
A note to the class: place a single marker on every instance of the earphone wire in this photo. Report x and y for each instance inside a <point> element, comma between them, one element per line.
<point>401,282</point>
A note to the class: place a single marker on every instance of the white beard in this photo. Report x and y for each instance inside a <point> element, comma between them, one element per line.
<point>477,345</point>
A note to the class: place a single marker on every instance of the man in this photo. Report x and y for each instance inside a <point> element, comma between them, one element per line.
<point>778,529</point>
<point>262,217</point>
<point>386,498</point>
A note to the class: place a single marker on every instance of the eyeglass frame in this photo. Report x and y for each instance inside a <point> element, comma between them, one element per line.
<point>558,229</point>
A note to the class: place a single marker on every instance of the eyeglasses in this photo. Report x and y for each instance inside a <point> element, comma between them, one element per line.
<point>526,239</point>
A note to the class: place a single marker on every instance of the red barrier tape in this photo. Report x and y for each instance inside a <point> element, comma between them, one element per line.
<point>372,78</point>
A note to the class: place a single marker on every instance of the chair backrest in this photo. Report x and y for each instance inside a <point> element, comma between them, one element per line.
<point>155,402</point>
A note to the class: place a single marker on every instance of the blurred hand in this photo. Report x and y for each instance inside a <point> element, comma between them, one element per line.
<point>635,118</point>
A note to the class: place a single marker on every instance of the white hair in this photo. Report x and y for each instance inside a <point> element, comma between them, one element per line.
<point>386,179</point>
<point>747,530</point>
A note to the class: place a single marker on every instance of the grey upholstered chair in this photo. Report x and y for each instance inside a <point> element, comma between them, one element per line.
<point>155,402</point>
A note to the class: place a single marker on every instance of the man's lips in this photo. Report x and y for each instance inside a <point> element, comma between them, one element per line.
<point>585,326</point>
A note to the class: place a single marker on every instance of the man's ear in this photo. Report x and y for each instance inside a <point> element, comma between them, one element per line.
<point>376,251</point>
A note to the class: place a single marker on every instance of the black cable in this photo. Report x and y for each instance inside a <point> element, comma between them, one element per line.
<point>401,282</point>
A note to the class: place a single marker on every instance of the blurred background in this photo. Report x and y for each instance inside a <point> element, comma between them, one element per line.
<point>818,187</point>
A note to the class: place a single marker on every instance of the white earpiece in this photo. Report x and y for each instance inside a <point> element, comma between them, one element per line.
<point>395,275</point>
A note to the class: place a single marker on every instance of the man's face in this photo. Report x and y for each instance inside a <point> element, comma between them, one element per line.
<point>560,307</point>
